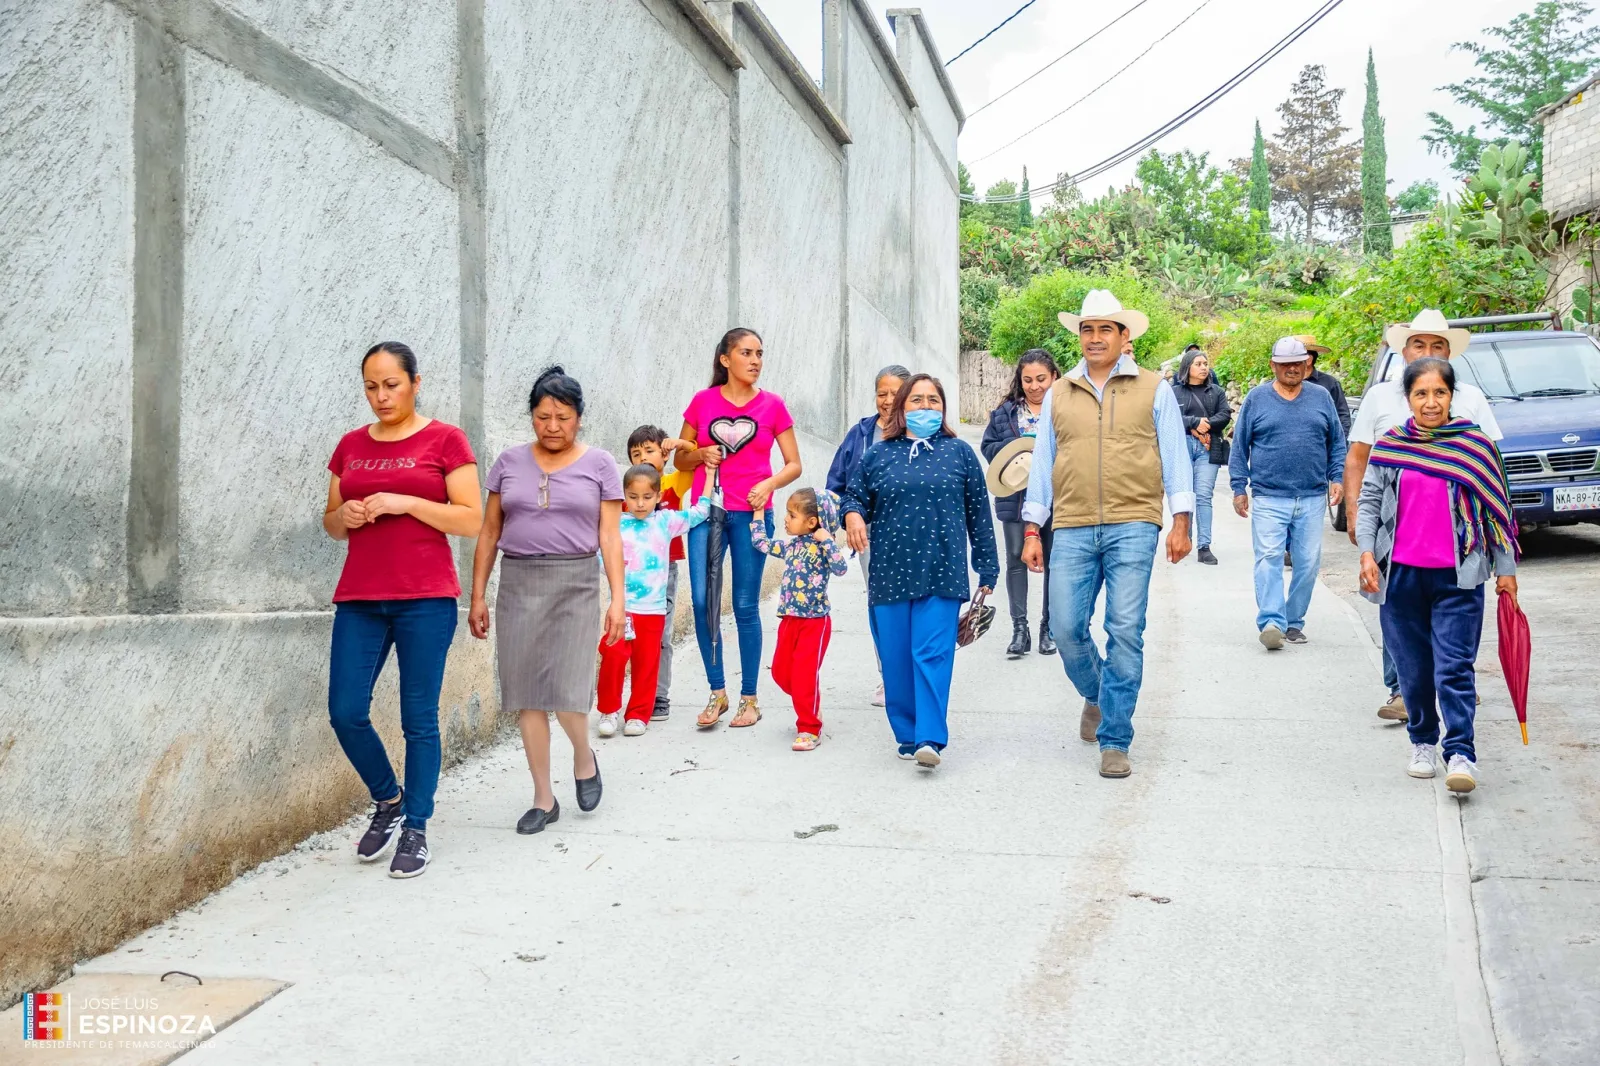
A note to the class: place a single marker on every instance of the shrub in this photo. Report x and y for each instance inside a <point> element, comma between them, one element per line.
<point>1433,269</point>
<point>1027,319</point>
<point>1241,351</point>
<point>980,294</point>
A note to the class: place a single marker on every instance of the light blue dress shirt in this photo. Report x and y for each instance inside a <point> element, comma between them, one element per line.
<point>1177,476</point>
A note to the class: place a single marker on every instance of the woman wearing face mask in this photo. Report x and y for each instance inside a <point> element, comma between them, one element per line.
<point>1018,416</point>
<point>759,419</point>
<point>1204,404</point>
<point>1434,523</point>
<point>923,493</point>
<point>863,435</point>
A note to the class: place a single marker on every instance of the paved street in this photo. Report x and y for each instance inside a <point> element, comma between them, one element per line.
<point>1269,887</point>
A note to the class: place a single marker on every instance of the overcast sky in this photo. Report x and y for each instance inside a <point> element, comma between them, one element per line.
<point>1410,38</point>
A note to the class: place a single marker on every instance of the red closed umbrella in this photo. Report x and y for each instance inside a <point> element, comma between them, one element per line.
<point>1516,650</point>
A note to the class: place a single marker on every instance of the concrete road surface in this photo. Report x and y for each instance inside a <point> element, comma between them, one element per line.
<point>1269,887</point>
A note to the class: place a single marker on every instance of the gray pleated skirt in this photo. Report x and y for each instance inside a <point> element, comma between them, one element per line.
<point>547,626</point>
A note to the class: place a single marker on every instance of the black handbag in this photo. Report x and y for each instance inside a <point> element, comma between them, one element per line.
<point>1221,449</point>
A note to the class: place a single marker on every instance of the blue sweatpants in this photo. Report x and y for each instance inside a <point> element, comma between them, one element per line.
<point>1432,629</point>
<point>917,643</point>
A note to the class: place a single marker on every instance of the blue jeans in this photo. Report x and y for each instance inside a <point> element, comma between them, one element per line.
<point>420,632</point>
<point>917,640</point>
<point>1205,487</point>
<point>1120,557</point>
<point>1279,524</point>
<point>1432,629</point>
<point>743,577</point>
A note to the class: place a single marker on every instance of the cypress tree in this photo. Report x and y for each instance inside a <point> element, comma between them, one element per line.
<point>1025,206</point>
<point>1260,183</point>
<point>1378,238</point>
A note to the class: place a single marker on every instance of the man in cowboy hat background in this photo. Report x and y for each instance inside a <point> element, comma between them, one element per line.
<point>1288,455</point>
<point>1110,446</point>
<point>1326,380</point>
<point>1385,406</point>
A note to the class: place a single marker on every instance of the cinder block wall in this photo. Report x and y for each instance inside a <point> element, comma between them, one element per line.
<point>214,206</point>
<point>1572,156</point>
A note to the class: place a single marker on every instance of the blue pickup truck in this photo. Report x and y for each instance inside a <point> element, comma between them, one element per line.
<point>1545,388</point>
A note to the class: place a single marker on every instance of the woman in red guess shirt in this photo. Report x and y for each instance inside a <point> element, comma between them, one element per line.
<point>399,488</point>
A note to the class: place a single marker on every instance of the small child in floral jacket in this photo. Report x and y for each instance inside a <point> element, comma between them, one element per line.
<point>805,626</point>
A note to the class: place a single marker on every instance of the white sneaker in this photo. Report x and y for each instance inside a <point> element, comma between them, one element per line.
<point>1461,774</point>
<point>635,728</point>
<point>877,697</point>
<point>1272,638</point>
<point>927,756</point>
<point>1422,762</point>
<point>608,724</point>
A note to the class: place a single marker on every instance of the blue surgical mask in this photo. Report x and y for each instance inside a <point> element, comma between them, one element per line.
<point>924,423</point>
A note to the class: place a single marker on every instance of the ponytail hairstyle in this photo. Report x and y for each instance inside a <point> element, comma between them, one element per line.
<point>805,501</point>
<point>719,373</point>
<point>401,352</point>
<point>1031,357</point>
<point>554,383</point>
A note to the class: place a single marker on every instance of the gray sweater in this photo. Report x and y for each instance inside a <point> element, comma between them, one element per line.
<point>1376,519</point>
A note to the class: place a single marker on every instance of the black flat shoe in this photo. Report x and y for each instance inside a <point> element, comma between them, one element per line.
<point>1047,643</point>
<point>1205,556</point>
<point>537,818</point>
<point>589,789</point>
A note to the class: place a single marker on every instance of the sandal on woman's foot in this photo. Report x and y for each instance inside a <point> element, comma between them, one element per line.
<point>716,707</point>
<point>806,742</point>
<point>749,714</point>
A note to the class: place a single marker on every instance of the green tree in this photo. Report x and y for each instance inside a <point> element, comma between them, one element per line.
<point>1260,183</point>
<point>1004,214</point>
<point>1376,236</point>
<point>1025,205</point>
<point>1199,204</point>
<point>1543,54</point>
<point>1028,319</point>
<point>1418,196</point>
<point>1316,171</point>
<point>966,188</point>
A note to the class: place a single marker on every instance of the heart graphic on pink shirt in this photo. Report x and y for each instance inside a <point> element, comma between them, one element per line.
<point>732,433</point>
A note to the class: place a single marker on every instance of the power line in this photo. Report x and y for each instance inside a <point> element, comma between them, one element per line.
<point>990,34</point>
<point>1062,56</point>
<point>1102,85</point>
<point>1193,111</point>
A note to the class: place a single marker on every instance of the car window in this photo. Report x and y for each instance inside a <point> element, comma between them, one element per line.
<point>1558,366</point>
<point>1480,365</point>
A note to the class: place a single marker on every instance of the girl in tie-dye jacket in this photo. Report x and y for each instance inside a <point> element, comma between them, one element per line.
<point>804,626</point>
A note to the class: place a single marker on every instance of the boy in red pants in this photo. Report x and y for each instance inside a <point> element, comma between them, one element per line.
<point>647,536</point>
<point>804,626</point>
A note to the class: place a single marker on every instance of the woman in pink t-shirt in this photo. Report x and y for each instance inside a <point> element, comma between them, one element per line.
<point>397,490</point>
<point>736,425</point>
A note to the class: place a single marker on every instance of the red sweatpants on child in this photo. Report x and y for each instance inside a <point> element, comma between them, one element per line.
<point>797,667</point>
<point>643,652</point>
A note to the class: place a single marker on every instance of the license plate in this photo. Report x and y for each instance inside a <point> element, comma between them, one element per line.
<point>1581,499</point>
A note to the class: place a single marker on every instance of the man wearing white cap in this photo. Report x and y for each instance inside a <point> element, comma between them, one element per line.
<point>1288,455</point>
<point>1110,446</point>
<point>1385,406</point>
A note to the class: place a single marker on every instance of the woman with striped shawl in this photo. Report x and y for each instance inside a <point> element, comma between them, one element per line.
<point>1434,522</point>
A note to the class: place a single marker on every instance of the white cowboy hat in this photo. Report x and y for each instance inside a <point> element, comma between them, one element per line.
<point>1099,305</point>
<point>1432,323</point>
<point>1009,469</point>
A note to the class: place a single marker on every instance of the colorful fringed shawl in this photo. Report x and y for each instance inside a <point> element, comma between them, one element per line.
<point>1459,452</point>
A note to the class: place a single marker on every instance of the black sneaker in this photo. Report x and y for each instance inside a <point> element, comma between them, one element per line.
<point>1295,636</point>
<point>386,819</point>
<point>662,711</point>
<point>1205,556</point>
<point>411,857</point>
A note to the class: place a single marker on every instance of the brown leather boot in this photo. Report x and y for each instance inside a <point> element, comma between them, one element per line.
<point>1089,722</point>
<point>1114,763</point>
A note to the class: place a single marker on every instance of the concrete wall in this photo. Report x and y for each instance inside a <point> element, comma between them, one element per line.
<point>212,207</point>
<point>1572,155</point>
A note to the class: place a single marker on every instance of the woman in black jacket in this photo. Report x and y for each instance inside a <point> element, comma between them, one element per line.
<point>1205,413</point>
<point>1018,416</point>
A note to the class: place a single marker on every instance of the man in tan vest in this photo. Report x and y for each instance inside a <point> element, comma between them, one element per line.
<point>1115,447</point>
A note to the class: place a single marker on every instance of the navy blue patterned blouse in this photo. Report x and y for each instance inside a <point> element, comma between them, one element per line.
<point>924,509</point>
